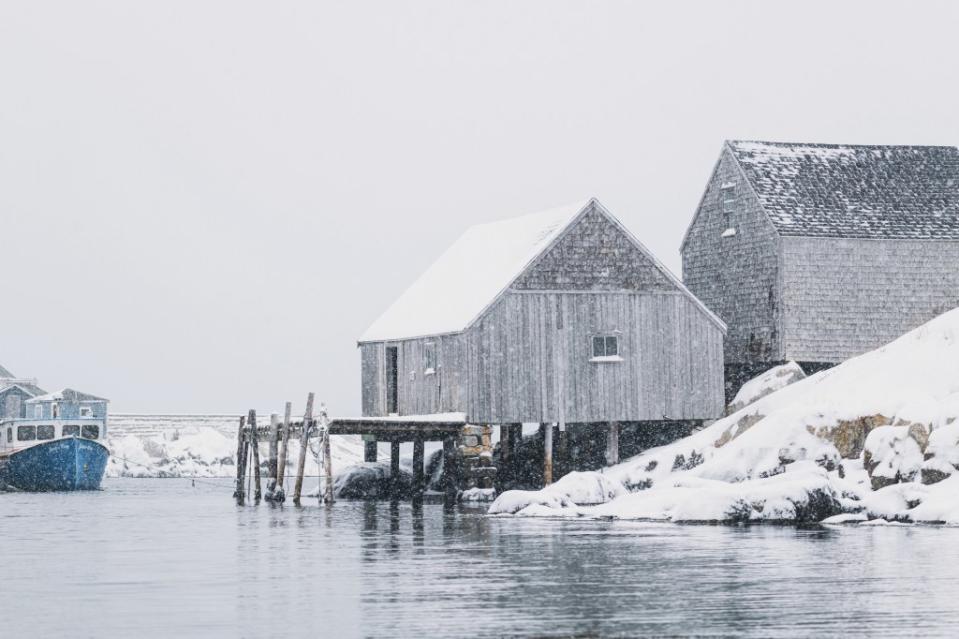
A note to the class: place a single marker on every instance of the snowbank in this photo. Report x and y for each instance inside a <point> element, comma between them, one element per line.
<point>203,451</point>
<point>858,438</point>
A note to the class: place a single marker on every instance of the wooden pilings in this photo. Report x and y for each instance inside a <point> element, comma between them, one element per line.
<point>449,468</point>
<point>418,460</point>
<point>327,456</point>
<point>459,440</point>
<point>255,446</point>
<point>304,443</point>
<point>612,444</point>
<point>271,461</point>
<point>279,495</point>
<point>394,460</point>
<point>240,492</point>
<point>369,450</point>
<point>547,454</point>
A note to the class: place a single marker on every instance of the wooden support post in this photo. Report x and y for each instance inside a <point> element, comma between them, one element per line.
<point>240,492</point>
<point>505,441</point>
<point>255,445</point>
<point>516,435</point>
<point>547,454</point>
<point>369,451</point>
<point>450,469</point>
<point>280,495</point>
<point>418,458</point>
<point>612,444</point>
<point>272,462</point>
<point>562,452</point>
<point>394,462</point>
<point>304,444</point>
<point>327,456</point>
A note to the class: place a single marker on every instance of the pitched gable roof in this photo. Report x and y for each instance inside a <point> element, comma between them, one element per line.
<point>485,261</point>
<point>852,191</point>
<point>30,389</point>
<point>4,373</point>
<point>470,274</point>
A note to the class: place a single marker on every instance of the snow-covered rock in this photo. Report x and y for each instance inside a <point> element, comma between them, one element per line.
<point>891,456</point>
<point>810,449</point>
<point>769,382</point>
<point>372,480</point>
<point>576,488</point>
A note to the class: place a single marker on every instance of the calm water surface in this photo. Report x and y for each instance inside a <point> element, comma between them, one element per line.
<point>162,558</point>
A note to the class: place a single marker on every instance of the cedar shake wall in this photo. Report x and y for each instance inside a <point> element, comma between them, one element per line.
<point>529,359</point>
<point>737,277</point>
<point>418,393</point>
<point>594,255</point>
<point>845,297</point>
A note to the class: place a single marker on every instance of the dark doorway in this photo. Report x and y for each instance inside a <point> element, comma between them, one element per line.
<point>391,380</point>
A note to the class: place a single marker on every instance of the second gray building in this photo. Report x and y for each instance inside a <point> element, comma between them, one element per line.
<point>820,252</point>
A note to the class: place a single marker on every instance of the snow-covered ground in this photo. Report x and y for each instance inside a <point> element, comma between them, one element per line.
<point>854,443</point>
<point>185,450</point>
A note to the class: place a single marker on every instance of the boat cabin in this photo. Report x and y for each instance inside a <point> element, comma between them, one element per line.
<point>66,413</point>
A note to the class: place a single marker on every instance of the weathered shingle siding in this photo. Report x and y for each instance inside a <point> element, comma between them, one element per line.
<point>844,297</point>
<point>595,255</point>
<point>736,277</point>
<point>418,393</point>
<point>530,359</point>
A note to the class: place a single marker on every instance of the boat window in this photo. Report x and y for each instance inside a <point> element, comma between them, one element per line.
<point>26,433</point>
<point>46,431</point>
<point>86,411</point>
<point>91,431</point>
<point>9,435</point>
<point>71,430</point>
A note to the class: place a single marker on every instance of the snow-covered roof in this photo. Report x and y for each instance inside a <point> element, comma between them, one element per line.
<point>472,272</point>
<point>4,373</point>
<point>485,261</point>
<point>854,191</point>
<point>67,394</point>
<point>27,386</point>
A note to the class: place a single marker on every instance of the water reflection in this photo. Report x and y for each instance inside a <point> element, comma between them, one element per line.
<point>169,558</point>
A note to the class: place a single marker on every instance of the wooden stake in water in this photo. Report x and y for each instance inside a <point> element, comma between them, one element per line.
<point>271,463</point>
<point>240,493</point>
<point>327,456</point>
<point>255,445</point>
<point>281,463</point>
<point>304,443</point>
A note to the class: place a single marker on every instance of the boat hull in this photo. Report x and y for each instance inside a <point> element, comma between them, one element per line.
<point>71,463</point>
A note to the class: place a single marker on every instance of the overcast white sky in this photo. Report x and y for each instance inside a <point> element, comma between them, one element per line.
<point>204,204</point>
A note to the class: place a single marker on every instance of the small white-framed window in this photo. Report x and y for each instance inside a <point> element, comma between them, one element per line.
<point>86,411</point>
<point>727,198</point>
<point>429,359</point>
<point>605,347</point>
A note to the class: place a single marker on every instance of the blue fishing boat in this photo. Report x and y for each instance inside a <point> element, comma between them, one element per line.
<point>51,441</point>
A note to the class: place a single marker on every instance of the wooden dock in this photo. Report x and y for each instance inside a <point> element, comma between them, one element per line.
<point>373,430</point>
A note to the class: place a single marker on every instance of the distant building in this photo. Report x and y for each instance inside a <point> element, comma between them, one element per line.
<point>557,317</point>
<point>820,252</point>
<point>14,392</point>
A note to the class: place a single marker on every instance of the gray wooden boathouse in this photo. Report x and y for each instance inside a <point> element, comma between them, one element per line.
<point>819,252</point>
<point>561,317</point>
